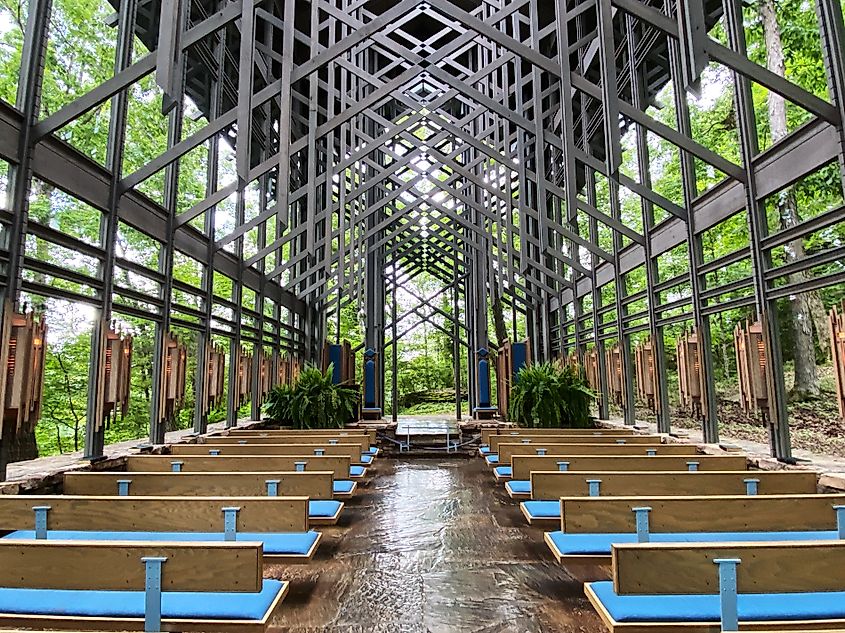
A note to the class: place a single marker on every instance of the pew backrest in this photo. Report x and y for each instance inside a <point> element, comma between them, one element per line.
<point>488,434</point>
<point>786,567</point>
<point>555,484</point>
<point>737,513</point>
<point>507,451</point>
<point>338,464</point>
<point>117,566</point>
<point>295,432</point>
<point>362,439</point>
<point>351,449</point>
<point>313,484</point>
<point>524,465</point>
<point>498,440</point>
<point>153,514</point>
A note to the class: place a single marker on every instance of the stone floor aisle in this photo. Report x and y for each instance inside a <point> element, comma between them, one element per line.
<point>433,545</point>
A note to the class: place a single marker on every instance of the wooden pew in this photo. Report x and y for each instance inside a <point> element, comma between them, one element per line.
<point>317,486</point>
<point>280,522</point>
<point>312,484</point>
<point>507,451</point>
<point>555,484</point>
<point>589,525</point>
<point>662,583</point>
<point>352,449</point>
<point>524,465</point>
<point>487,434</point>
<point>289,439</point>
<point>496,440</point>
<point>294,432</point>
<point>339,464</point>
<point>65,581</point>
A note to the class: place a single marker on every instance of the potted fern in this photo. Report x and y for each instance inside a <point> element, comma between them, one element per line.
<point>313,401</point>
<point>548,395</point>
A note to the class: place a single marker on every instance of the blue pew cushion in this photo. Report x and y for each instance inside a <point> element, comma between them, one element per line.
<point>275,543</point>
<point>542,509</point>
<point>484,449</point>
<point>519,487</point>
<point>491,458</point>
<point>357,471</point>
<point>502,471</point>
<point>373,450</point>
<point>823,605</point>
<point>366,459</point>
<point>323,509</point>
<point>130,604</point>
<point>600,544</point>
<point>342,486</point>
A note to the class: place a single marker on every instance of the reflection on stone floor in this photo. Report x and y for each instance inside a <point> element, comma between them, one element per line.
<point>432,545</point>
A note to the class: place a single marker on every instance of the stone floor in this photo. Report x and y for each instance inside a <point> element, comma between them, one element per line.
<point>433,545</point>
<point>18,472</point>
<point>831,469</point>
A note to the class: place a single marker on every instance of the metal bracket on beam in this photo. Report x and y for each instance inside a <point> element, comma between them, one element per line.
<point>751,486</point>
<point>230,523</point>
<point>643,532</point>
<point>728,592</point>
<point>152,592</point>
<point>840,520</point>
<point>123,487</point>
<point>41,521</point>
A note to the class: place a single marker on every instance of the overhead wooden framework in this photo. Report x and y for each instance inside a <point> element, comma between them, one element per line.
<point>475,141</point>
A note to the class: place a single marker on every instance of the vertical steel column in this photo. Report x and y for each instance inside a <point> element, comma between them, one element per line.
<point>581,29</point>
<point>109,223</point>
<point>758,229</point>
<point>28,102</point>
<point>258,349</point>
<point>607,59</point>
<point>456,338</point>
<point>394,394</point>
<point>570,174</point>
<point>832,30</point>
<point>211,184</point>
<point>710,426</point>
<point>652,272</point>
<point>171,193</point>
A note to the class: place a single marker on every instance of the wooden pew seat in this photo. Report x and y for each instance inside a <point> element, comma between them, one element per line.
<point>356,451</point>
<point>523,465</point>
<point>551,486</point>
<point>338,464</point>
<point>508,451</point>
<point>490,452</point>
<point>591,526</point>
<point>318,486</point>
<point>781,586</point>
<point>279,523</point>
<point>97,585</point>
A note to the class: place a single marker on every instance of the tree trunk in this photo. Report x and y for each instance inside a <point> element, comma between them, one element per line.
<point>806,378</point>
<point>17,446</point>
<point>498,317</point>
